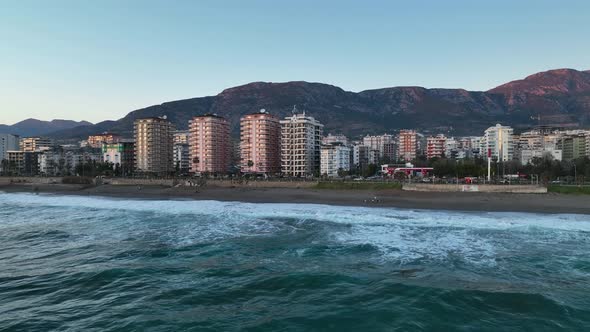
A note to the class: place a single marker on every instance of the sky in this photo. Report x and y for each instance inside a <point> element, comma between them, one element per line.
<point>99,60</point>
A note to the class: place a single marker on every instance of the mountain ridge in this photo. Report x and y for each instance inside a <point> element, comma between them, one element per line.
<point>561,97</point>
<point>33,127</point>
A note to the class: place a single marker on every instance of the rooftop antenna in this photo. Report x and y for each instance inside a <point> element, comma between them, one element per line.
<point>294,111</point>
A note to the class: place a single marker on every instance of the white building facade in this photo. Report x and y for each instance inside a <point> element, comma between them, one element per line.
<point>301,138</point>
<point>498,140</point>
<point>335,158</point>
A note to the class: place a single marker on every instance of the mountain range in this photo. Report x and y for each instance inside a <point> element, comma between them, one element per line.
<point>34,127</point>
<point>558,97</point>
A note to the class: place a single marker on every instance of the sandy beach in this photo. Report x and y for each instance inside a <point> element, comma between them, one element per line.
<point>536,203</point>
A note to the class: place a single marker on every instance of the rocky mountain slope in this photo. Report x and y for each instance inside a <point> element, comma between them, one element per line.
<point>561,97</point>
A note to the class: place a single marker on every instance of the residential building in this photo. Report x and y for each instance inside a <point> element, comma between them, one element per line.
<point>498,143</point>
<point>452,149</point>
<point>407,145</point>
<point>32,144</point>
<point>335,158</point>
<point>360,155</point>
<point>181,159</point>
<point>527,155</point>
<point>181,136</point>
<point>381,145</point>
<point>301,137</point>
<point>373,156</point>
<point>389,152</point>
<point>24,163</point>
<point>153,145</point>
<point>121,154</point>
<point>330,139</point>
<point>8,142</point>
<point>209,144</point>
<point>260,139</point>
<point>436,146</point>
<point>96,141</point>
<point>573,146</point>
<point>49,162</point>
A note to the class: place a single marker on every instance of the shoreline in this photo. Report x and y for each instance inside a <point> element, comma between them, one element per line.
<point>455,201</point>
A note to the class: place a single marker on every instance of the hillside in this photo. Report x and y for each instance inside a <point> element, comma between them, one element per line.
<point>32,127</point>
<point>561,97</point>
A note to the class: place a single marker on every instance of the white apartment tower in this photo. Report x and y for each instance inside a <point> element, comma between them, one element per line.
<point>301,138</point>
<point>335,157</point>
<point>498,143</point>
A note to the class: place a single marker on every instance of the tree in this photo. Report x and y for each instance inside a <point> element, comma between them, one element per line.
<point>370,170</point>
<point>400,176</point>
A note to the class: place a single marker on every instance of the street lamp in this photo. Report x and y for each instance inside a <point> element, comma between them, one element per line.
<point>575,172</point>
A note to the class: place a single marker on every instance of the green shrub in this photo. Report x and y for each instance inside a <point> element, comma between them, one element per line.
<point>575,190</point>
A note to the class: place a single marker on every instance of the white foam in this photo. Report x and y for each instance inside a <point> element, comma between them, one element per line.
<point>400,234</point>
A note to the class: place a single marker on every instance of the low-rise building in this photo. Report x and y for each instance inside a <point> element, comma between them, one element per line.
<point>96,141</point>
<point>32,144</point>
<point>331,139</point>
<point>23,163</point>
<point>527,155</point>
<point>573,146</point>
<point>121,154</point>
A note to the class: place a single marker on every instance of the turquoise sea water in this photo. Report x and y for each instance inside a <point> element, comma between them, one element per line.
<point>71,263</point>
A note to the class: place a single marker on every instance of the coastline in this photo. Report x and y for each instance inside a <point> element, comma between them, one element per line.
<point>457,201</point>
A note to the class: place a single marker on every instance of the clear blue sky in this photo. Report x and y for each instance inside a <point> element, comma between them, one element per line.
<point>98,60</point>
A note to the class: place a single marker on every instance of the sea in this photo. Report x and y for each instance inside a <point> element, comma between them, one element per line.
<point>80,263</point>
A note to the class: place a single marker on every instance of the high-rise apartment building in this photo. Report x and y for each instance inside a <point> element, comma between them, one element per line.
<point>209,144</point>
<point>498,142</point>
<point>260,140</point>
<point>8,142</point>
<point>335,158</point>
<point>301,138</point>
<point>436,146</point>
<point>153,145</point>
<point>32,144</point>
<point>407,145</point>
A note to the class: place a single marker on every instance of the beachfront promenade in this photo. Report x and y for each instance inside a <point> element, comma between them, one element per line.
<point>291,183</point>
